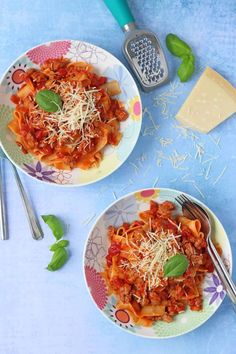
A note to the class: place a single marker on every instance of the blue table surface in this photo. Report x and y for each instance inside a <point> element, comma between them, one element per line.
<point>52,313</point>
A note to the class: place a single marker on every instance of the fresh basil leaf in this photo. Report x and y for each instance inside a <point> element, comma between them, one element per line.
<point>59,258</point>
<point>176,266</point>
<point>176,46</point>
<point>62,243</point>
<point>186,68</point>
<point>55,225</point>
<point>48,100</point>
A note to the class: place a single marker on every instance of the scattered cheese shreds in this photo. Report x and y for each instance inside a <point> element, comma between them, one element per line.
<point>88,220</point>
<point>114,195</point>
<point>135,167</point>
<point>206,175</point>
<point>220,176</point>
<point>216,141</point>
<point>185,132</point>
<point>149,131</point>
<point>165,141</point>
<point>127,185</point>
<point>199,190</point>
<point>166,98</point>
<point>177,160</point>
<point>211,158</point>
<point>155,182</point>
<point>149,115</point>
<point>199,151</point>
<point>146,171</point>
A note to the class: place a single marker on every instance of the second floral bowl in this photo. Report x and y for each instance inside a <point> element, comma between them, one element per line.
<point>126,210</point>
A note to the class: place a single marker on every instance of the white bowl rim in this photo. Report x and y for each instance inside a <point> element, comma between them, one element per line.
<point>91,230</point>
<point>134,144</point>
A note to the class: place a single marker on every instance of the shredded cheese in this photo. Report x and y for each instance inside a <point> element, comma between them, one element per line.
<point>220,175</point>
<point>177,160</point>
<point>199,151</point>
<point>149,257</point>
<point>77,114</point>
<point>165,141</point>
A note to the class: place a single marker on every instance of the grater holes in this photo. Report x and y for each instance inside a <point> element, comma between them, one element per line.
<point>147,56</point>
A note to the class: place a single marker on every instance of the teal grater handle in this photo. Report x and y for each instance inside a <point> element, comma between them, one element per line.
<point>120,10</point>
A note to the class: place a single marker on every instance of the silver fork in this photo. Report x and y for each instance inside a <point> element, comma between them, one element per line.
<point>35,228</point>
<point>193,210</point>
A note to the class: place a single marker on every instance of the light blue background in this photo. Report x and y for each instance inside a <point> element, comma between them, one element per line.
<point>52,313</point>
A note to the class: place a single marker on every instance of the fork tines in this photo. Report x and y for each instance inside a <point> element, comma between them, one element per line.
<point>181,200</point>
<point>194,209</point>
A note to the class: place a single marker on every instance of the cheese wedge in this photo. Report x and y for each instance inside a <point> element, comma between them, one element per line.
<point>212,100</point>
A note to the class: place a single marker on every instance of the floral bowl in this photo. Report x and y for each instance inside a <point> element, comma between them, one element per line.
<point>106,65</point>
<point>127,209</point>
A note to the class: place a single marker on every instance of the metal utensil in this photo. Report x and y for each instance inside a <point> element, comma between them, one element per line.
<point>193,210</point>
<point>35,227</point>
<point>3,219</point>
<point>141,48</point>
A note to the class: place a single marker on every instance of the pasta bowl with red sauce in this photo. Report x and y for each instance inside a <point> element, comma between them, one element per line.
<point>70,113</point>
<point>147,268</point>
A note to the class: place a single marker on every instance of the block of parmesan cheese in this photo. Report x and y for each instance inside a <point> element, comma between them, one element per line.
<point>212,100</point>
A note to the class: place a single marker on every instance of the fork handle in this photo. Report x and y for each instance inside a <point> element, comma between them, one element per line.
<point>223,273</point>
<point>3,218</point>
<point>35,227</point>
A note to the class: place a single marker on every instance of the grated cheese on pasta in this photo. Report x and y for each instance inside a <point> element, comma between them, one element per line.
<point>152,253</point>
<point>77,114</point>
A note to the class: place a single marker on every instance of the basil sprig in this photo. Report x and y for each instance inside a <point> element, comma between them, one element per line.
<point>186,68</point>
<point>60,253</point>
<point>59,244</point>
<point>176,266</point>
<point>181,49</point>
<point>59,258</point>
<point>48,100</point>
<point>176,46</point>
<point>55,225</point>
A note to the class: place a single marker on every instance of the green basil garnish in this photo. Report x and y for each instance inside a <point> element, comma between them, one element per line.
<point>176,266</point>
<point>176,46</point>
<point>59,258</point>
<point>186,68</point>
<point>182,50</point>
<point>55,225</point>
<point>48,100</point>
<point>60,254</point>
<point>61,243</point>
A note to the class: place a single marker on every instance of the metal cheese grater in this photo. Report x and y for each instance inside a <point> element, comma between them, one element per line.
<point>141,48</point>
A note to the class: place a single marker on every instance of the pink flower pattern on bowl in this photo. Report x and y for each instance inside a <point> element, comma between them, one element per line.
<point>43,52</point>
<point>97,287</point>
